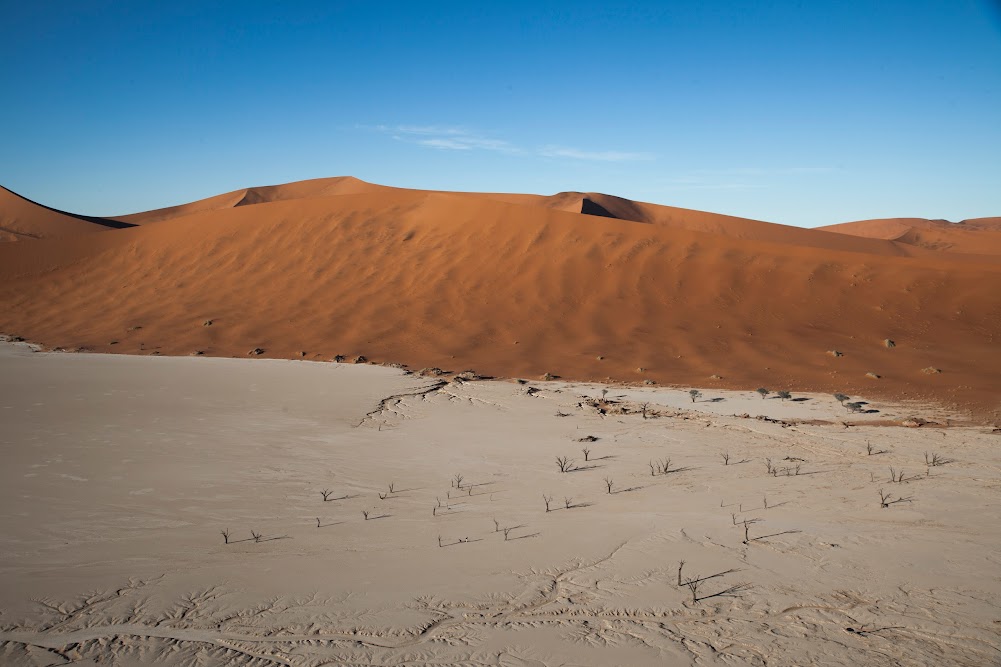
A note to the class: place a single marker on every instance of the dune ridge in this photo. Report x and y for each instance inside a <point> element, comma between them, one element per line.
<point>22,218</point>
<point>520,285</point>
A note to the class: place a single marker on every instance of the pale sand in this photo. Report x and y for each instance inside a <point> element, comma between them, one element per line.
<point>120,471</point>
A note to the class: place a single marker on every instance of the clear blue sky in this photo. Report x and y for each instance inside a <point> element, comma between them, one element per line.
<point>804,113</point>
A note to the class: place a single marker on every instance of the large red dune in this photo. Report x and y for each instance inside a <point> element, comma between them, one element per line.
<point>584,286</point>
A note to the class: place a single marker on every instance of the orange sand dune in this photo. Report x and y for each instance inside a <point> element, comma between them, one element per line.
<point>318,187</point>
<point>981,236</point>
<point>519,288</point>
<point>590,203</point>
<point>739,228</point>
<point>21,218</point>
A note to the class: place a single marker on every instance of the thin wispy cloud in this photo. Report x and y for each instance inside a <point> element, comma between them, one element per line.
<point>599,156</point>
<point>446,138</point>
<point>467,143</point>
<point>691,184</point>
<point>764,171</point>
<point>458,138</point>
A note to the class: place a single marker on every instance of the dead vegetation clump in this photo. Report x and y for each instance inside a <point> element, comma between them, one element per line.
<point>885,499</point>
<point>935,460</point>
<point>660,467</point>
<point>694,584</point>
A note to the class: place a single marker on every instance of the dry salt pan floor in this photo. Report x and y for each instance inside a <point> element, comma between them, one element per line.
<point>120,474</point>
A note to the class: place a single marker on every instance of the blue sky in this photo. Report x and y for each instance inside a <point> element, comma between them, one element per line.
<point>804,113</point>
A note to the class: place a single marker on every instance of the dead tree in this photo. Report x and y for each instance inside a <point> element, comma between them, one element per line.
<point>885,501</point>
<point>693,586</point>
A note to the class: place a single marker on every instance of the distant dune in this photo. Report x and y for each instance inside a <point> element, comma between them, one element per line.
<point>580,285</point>
<point>980,236</point>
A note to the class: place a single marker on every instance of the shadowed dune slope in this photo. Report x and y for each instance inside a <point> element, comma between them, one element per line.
<point>980,236</point>
<point>21,218</point>
<point>510,289</point>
